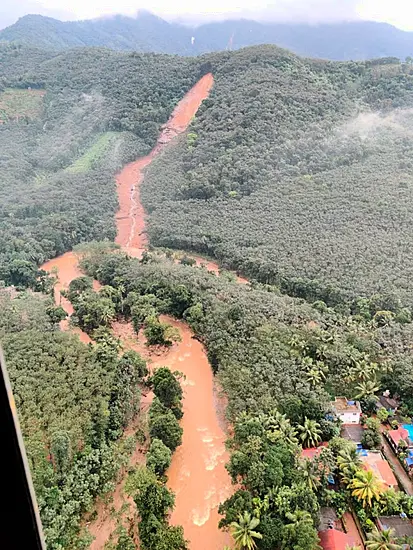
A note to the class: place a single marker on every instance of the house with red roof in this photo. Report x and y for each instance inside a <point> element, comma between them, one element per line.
<point>313,452</point>
<point>395,436</point>
<point>376,463</point>
<point>332,539</point>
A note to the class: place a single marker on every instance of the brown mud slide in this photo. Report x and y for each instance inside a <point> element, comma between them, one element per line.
<point>130,218</point>
<point>197,474</point>
<point>66,268</point>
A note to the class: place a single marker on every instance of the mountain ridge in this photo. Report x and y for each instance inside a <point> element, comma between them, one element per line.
<point>150,33</point>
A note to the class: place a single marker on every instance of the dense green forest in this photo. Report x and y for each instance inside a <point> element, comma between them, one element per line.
<point>148,33</point>
<point>74,402</point>
<point>280,362</point>
<point>256,337</point>
<point>100,110</point>
<point>284,149</point>
<point>297,173</point>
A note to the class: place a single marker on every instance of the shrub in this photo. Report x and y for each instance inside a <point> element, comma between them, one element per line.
<point>159,457</point>
<point>166,428</point>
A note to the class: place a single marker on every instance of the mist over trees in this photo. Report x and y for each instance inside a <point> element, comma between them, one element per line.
<point>297,173</point>
<point>148,33</point>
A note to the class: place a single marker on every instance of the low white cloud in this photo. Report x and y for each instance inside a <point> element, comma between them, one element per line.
<point>371,125</point>
<point>398,12</point>
<point>11,11</point>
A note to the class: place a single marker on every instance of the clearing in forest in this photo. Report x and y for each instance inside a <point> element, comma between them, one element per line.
<point>94,153</point>
<point>16,103</point>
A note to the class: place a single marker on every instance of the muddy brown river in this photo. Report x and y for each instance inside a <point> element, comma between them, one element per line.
<point>197,474</point>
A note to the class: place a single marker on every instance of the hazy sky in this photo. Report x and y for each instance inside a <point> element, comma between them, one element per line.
<point>397,12</point>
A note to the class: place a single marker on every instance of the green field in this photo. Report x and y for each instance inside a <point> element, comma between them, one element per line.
<point>94,154</point>
<point>16,103</point>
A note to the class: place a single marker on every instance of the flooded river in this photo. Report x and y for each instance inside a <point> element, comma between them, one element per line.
<point>197,474</point>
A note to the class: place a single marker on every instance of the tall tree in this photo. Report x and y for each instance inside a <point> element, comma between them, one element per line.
<point>244,532</point>
<point>348,462</point>
<point>367,388</point>
<point>310,433</point>
<point>366,487</point>
<point>310,473</point>
<point>382,540</point>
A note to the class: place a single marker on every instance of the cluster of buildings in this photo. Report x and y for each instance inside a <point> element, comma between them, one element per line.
<point>334,534</point>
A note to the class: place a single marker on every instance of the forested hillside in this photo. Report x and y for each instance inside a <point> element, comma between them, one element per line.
<point>294,172</point>
<point>149,33</point>
<point>146,33</point>
<point>280,362</point>
<point>297,173</point>
<point>71,121</point>
<point>74,402</point>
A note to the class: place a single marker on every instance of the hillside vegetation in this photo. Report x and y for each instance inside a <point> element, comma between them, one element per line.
<point>95,153</point>
<point>297,173</point>
<point>74,402</point>
<point>87,114</point>
<point>280,362</point>
<point>149,33</point>
<point>20,104</point>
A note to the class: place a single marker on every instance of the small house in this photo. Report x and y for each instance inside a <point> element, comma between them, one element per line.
<point>352,432</point>
<point>402,526</point>
<point>395,436</point>
<point>375,462</point>
<point>313,452</point>
<point>348,412</point>
<point>389,403</point>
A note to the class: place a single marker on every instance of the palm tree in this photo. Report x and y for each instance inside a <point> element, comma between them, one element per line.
<point>382,540</point>
<point>298,345</point>
<point>278,426</point>
<point>348,462</point>
<point>322,351</point>
<point>366,487</point>
<point>364,370</point>
<point>315,377</point>
<point>367,388</point>
<point>310,474</point>
<point>349,547</point>
<point>244,533</point>
<point>107,315</point>
<point>307,362</point>
<point>297,518</point>
<point>310,433</point>
<point>289,435</point>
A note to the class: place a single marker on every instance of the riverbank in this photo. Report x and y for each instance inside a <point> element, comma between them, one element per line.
<point>197,474</point>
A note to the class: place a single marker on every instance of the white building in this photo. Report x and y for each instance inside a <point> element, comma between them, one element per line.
<point>347,411</point>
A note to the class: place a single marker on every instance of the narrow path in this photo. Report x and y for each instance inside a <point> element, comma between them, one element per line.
<point>399,471</point>
<point>352,530</point>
